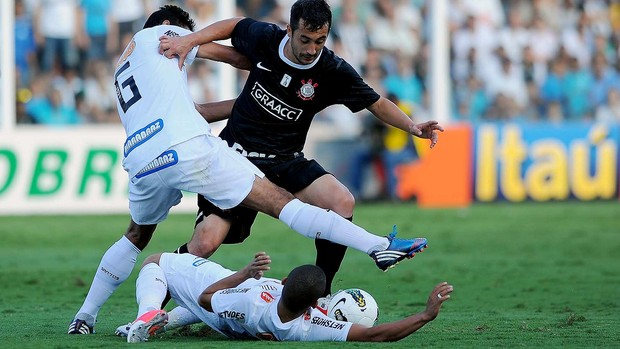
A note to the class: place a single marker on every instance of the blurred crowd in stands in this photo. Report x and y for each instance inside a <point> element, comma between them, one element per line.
<point>511,60</point>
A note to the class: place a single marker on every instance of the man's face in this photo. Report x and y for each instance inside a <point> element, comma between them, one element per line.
<point>305,44</point>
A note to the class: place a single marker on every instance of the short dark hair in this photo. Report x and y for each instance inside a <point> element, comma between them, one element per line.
<point>315,14</point>
<point>174,14</point>
<point>303,287</point>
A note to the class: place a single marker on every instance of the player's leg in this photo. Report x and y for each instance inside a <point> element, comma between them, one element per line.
<point>115,266</point>
<point>312,184</point>
<point>149,204</point>
<point>242,183</point>
<point>327,192</point>
<point>215,226</point>
<point>151,290</point>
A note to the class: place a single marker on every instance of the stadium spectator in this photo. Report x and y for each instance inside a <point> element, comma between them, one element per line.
<point>533,35</point>
<point>49,110</point>
<point>25,45</point>
<point>610,112</point>
<point>97,20</point>
<point>170,148</point>
<point>99,94</point>
<point>58,31</point>
<point>246,305</point>
<point>274,142</point>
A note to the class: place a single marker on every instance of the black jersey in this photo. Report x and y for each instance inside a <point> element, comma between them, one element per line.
<point>272,115</point>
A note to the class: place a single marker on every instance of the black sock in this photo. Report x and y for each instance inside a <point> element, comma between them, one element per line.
<point>329,257</point>
<point>182,249</point>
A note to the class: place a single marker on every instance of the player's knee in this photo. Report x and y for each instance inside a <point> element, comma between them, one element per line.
<point>344,203</point>
<point>203,243</point>
<point>203,248</point>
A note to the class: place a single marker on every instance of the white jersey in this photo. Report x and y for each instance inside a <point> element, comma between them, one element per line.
<point>252,312</point>
<point>248,311</point>
<point>154,102</point>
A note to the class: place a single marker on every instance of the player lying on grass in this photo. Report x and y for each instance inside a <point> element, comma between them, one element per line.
<point>246,305</point>
<point>170,149</point>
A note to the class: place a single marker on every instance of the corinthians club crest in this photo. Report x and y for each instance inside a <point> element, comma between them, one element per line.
<point>306,92</point>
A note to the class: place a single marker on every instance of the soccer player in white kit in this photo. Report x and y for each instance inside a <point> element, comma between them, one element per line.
<point>246,305</point>
<point>170,148</point>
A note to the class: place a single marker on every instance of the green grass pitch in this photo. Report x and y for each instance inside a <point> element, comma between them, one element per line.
<point>525,275</point>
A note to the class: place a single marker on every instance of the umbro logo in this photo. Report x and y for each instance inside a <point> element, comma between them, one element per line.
<point>261,66</point>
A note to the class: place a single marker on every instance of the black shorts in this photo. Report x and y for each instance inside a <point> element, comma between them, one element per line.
<point>292,175</point>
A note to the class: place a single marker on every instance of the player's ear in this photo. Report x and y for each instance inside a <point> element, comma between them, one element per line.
<point>165,22</point>
<point>289,31</point>
<point>284,280</point>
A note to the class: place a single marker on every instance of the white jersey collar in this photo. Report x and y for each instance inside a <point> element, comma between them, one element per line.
<point>291,63</point>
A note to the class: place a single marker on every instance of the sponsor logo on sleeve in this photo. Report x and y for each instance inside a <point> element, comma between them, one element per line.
<point>267,297</point>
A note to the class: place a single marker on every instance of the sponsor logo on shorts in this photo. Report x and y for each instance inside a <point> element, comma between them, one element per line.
<point>165,160</point>
<point>199,261</point>
<point>274,106</point>
<point>253,154</point>
<point>319,321</point>
<point>142,135</point>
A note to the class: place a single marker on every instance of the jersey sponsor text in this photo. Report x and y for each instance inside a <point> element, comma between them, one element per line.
<point>142,135</point>
<point>166,159</point>
<point>327,323</point>
<point>274,106</point>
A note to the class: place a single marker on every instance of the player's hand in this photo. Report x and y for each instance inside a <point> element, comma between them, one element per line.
<point>427,130</point>
<point>440,294</point>
<point>258,266</point>
<point>175,47</point>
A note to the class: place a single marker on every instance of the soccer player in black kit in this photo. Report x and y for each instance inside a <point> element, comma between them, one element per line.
<point>293,77</point>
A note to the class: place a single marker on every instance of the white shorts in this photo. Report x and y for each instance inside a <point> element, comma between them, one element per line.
<point>204,165</point>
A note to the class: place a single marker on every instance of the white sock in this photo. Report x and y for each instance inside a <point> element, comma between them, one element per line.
<point>116,265</point>
<point>179,317</point>
<point>317,223</point>
<point>151,288</point>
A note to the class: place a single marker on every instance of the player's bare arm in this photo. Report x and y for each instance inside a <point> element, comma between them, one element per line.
<point>255,270</point>
<point>216,111</point>
<point>180,46</point>
<point>398,330</point>
<point>389,113</point>
<point>225,54</point>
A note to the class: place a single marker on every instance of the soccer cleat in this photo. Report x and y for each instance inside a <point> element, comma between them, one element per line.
<point>398,250</point>
<point>122,330</point>
<point>78,326</point>
<point>150,323</point>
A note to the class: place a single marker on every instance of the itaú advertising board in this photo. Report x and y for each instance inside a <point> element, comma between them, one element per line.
<point>66,170</point>
<point>514,162</point>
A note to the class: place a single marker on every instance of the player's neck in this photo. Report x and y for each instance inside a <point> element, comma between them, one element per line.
<point>288,52</point>
<point>286,315</point>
